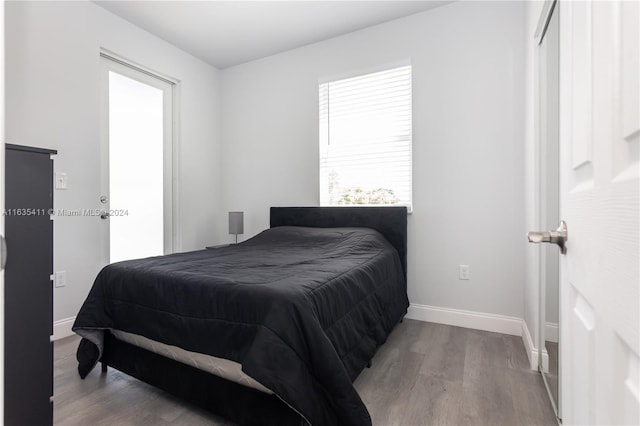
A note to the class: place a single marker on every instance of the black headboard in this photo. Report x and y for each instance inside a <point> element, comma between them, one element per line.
<point>389,221</point>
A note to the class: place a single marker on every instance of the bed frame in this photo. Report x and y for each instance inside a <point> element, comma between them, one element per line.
<point>243,405</point>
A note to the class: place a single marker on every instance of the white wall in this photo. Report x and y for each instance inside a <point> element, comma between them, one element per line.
<point>53,101</point>
<point>468,108</point>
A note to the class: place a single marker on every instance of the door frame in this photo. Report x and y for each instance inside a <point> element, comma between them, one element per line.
<point>541,183</point>
<point>110,61</point>
<point>540,203</point>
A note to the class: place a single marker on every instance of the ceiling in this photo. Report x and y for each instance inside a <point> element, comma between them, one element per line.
<point>228,33</point>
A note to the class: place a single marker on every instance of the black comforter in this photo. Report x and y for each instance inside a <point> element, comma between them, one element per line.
<point>302,309</point>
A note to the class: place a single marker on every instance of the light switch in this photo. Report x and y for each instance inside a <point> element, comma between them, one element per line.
<point>61,278</point>
<point>61,180</point>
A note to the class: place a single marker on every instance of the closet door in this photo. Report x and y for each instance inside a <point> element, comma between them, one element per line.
<point>28,288</point>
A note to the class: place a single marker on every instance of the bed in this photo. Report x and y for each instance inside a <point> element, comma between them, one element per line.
<point>296,312</point>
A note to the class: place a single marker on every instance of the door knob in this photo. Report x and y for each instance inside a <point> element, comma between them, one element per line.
<point>559,237</point>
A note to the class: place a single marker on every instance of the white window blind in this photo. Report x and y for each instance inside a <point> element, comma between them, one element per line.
<point>365,139</point>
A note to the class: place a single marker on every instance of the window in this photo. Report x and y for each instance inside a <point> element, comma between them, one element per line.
<point>365,139</point>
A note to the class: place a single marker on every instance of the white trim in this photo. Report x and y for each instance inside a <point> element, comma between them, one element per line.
<point>551,332</point>
<point>530,347</point>
<point>545,361</point>
<point>468,319</point>
<point>364,70</point>
<point>478,321</point>
<point>175,156</point>
<point>105,53</point>
<point>62,328</point>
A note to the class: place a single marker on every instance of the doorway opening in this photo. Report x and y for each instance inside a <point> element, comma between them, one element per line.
<point>137,162</point>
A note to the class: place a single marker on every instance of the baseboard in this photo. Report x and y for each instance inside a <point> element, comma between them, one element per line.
<point>478,321</point>
<point>467,319</point>
<point>551,332</point>
<point>62,328</point>
<point>530,347</point>
<point>544,365</point>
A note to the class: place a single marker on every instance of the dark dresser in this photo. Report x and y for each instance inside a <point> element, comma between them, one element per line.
<point>28,287</point>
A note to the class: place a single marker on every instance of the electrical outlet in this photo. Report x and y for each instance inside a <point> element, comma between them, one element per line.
<point>464,273</point>
<point>61,278</point>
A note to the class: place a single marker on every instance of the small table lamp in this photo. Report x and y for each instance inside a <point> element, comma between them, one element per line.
<point>236,223</point>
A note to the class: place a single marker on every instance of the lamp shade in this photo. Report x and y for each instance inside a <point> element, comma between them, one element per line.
<point>236,222</point>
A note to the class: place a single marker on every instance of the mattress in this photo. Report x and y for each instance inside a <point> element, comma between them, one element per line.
<point>220,367</point>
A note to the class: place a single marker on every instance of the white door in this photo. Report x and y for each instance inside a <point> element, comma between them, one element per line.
<point>599,200</point>
<point>137,150</point>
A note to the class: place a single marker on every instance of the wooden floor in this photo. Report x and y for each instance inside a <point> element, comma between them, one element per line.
<point>426,374</point>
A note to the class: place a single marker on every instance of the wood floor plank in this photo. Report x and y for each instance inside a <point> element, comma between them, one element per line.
<point>433,401</point>
<point>409,336</point>
<point>486,399</point>
<point>446,354</point>
<point>516,353</point>
<point>530,399</point>
<point>386,388</point>
<point>425,374</point>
